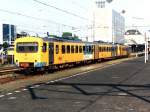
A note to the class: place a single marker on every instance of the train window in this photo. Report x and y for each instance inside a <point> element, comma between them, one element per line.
<point>63,49</point>
<point>44,47</point>
<point>80,49</point>
<point>107,49</point>
<point>86,49</point>
<point>68,48</point>
<point>27,47</point>
<point>99,49</point>
<point>72,49</point>
<point>90,49</point>
<point>110,48</point>
<point>57,49</point>
<point>76,49</point>
<point>83,48</point>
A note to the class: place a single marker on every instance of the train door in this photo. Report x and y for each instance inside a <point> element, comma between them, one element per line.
<point>96,51</point>
<point>51,53</point>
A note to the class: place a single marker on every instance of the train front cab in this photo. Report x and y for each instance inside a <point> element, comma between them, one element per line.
<point>31,52</point>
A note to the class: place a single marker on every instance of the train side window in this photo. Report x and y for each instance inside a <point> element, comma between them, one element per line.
<point>99,49</point>
<point>63,49</point>
<point>76,49</point>
<point>107,49</point>
<point>57,49</point>
<point>84,49</point>
<point>80,49</point>
<point>68,48</point>
<point>90,49</point>
<point>44,47</point>
<point>72,49</point>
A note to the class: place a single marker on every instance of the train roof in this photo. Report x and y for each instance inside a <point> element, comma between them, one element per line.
<point>59,39</point>
<point>72,41</point>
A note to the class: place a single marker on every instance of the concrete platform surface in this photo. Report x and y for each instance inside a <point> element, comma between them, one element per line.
<point>124,87</point>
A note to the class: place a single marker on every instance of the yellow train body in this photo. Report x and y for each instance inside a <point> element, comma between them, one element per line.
<point>38,52</point>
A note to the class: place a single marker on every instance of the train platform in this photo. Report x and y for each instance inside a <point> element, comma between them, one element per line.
<point>138,54</point>
<point>120,87</point>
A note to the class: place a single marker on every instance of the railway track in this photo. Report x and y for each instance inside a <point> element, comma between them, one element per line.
<point>8,74</point>
<point>5,70</point>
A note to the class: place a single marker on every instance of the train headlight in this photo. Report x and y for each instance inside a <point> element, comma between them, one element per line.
<point>35,60</point>
<point>16,61</point>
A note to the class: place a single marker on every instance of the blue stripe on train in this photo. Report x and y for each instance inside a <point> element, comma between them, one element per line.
<point>39,64</point>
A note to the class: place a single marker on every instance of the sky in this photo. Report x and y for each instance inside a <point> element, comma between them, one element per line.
<point>33,17</point>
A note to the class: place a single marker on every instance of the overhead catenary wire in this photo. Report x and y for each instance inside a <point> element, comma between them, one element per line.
<point>35,18</point>
<point>33,32</point>
<point>62,10</point>
<point>28,26</point>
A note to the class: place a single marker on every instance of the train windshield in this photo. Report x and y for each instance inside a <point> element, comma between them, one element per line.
<point>27,47</point>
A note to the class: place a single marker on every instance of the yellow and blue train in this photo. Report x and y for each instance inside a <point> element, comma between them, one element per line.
<point>37,53</point>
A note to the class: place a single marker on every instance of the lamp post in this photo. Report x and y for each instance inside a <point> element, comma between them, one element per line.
<point>146,48</point>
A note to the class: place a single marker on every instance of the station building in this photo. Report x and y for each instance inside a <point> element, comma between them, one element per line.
<point>108,24</point>
<point>135,39</point>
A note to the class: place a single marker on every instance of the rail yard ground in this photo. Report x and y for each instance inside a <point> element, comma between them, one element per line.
<point>116,86</point>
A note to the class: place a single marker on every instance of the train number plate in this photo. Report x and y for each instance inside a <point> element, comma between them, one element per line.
<point>25,65</point>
